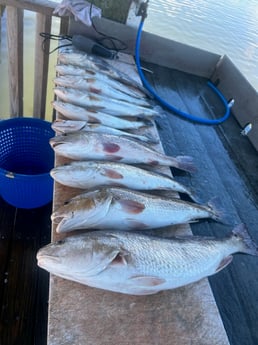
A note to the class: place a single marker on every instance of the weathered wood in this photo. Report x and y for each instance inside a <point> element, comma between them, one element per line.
<point>64,25</point>
<point>15,58</point>
<point>23,287</point>
<point>43,24</point>
<point>116,10</point>
<point>42,6</point>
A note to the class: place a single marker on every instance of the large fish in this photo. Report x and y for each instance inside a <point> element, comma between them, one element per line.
<point>68,126</point>
<point>118,208</point>
<point>94,86</point>
<point>66,70</point>
<point>100,103</point>
<point>91,174</point>
<point>100,146</point>
<point>73,112</point>
<point>132,263</point>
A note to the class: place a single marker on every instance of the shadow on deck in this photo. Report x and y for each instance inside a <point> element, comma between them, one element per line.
<point>227,167</point>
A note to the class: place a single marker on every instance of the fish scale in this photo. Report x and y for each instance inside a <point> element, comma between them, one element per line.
<point>137,264</point>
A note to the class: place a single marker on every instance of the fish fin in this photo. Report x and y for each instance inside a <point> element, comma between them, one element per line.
<point>146,281</point>
<point>224,262</point>
<point>185,163</point>
<point>218,213</point>
<point>112,174</point>
<point>133,224</point>
<point>131,206</point>
<point>240,233</point>
<point>119,259</point>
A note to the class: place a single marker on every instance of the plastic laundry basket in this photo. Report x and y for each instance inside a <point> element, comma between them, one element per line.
<point>26,159</point>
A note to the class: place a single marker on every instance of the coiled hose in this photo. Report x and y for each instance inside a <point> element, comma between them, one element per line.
<point>170,107</point>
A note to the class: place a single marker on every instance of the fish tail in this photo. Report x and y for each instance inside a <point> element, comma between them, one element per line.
<point>185,163</point>
<point>241,234</point>
<point>217,212</point>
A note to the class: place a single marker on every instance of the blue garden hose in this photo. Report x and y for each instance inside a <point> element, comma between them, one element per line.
<point>169,106</point>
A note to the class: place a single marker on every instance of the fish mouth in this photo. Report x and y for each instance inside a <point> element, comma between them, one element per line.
<point>44,260</point>
<point>54,144</point>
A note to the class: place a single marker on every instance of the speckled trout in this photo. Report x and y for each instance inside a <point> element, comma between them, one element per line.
<point>136,264</point>
<point>94,86</point>
<point>66,70</point>
<point>108,147</point>
<point>69,126</point>
<point>91,174</point>
<point>74,112</point>
<point>94,63</point>
<point>124,209</point>
<point>105,104</point>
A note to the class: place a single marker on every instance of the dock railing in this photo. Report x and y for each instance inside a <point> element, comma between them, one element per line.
<point>15,14</point>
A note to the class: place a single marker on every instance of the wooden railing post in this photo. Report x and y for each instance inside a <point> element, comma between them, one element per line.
<point>15,68</point>
<point>41,66</point>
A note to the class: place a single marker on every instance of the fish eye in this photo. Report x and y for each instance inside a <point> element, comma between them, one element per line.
<point>60,242</point>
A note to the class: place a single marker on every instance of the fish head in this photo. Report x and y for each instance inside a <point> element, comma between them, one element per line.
<point>79,256</point>
<point>68,126</point>
<point>83,211</point>
<point>70,144</point>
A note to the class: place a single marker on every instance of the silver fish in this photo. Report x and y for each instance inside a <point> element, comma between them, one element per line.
<point>136,264</point>
<point>100,146</point>
<point>117,208</point>
<point>93,63</point>
<point>92,85</point>
<point>73,112</point>
<point>67,126</point>
<point>104,104</point>
<point>91,174</point>
<point>66,70</point>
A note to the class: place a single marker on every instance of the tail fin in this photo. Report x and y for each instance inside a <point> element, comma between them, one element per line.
<point>248,246</point>
<point>185,163</point>
<point>217,212</point>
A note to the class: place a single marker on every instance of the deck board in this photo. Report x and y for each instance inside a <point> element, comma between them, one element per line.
<point>23,287</point>
<point>227,167</point>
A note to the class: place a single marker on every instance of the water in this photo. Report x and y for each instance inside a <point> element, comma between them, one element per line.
<point>224,28</point>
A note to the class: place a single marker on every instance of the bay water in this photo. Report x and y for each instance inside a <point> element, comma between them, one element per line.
<point>229,27</point>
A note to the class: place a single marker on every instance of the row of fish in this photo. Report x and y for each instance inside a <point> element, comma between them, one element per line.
<point>102,108</point>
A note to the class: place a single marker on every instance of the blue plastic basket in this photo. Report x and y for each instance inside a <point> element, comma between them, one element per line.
<point>26,159</point>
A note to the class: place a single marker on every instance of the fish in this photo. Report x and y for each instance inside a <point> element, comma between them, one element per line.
<point>108,147</point>
<point>136,264</point>
<point>67,126</point>
<point>73,112</point>
<point>66,70</point>
<point>94,63</point>
<point>121,208</point>
<point>92,174</point>
<point>94,86</point>
<point>96,102</point>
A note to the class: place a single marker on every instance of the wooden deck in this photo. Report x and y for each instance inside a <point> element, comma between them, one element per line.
<point>23,286</point>
<point>227,168</point>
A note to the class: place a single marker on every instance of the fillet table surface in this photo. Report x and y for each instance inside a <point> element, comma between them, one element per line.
<point>81,315</point>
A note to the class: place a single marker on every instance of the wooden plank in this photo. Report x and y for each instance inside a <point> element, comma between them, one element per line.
<point>82,315</point>
<point>24,289</point>
<point>42,6</point>
<point>43,24</point>
<point>15,58</point>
